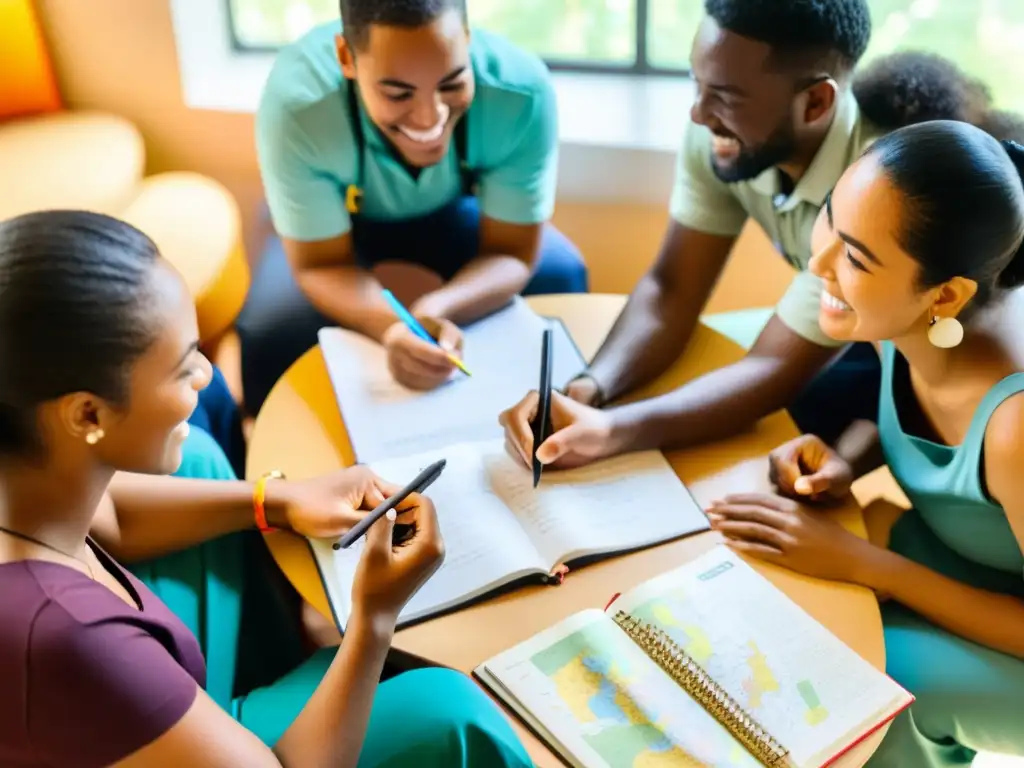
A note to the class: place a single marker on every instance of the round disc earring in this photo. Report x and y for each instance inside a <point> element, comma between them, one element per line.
<point>945,332</point>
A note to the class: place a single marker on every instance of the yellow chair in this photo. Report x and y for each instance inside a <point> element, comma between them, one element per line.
<point>55,157</point>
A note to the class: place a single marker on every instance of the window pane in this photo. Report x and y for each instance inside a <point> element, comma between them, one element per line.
<point>671,25</point>
<point>594,31</point>
<point>273,23</point>
<point>984,37</point>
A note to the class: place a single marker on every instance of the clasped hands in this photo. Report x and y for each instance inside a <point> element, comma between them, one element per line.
<point>784,528</point>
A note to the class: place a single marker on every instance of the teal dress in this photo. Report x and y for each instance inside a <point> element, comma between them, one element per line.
<point>226,592</point>
<point>969,698</point>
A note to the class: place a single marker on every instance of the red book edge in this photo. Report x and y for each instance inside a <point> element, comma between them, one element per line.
<point>867,734</point>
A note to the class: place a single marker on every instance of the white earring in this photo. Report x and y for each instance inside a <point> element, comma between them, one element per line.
<point>95,436</point>
<point>945,332</point>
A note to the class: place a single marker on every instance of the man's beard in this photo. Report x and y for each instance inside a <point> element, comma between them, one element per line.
<point>751,163</point>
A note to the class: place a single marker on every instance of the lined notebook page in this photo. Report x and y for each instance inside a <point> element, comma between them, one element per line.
<point>484,544</point>
<point>616,504</point>
<point>386,420</point>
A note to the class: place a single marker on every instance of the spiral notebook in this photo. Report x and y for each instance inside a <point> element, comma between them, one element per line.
<point>707,665</point>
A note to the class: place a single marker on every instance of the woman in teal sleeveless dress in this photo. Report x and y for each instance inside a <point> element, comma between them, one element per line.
<point>918,247</point>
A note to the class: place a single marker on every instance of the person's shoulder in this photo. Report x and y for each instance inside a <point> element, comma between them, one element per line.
<point>514,105</point>
<point>501,65</point>
<point>865,133</point>
<point>305,80</point>
<point>26,595</point>
<point>96,684</point>
<point>1004,437</point>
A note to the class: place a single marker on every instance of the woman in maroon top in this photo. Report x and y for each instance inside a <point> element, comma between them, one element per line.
<point>99,372</point>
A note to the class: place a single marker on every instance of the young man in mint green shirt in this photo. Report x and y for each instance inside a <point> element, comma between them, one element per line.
<point>401,136</point>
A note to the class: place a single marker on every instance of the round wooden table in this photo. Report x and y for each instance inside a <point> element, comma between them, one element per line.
<point>299,431</point>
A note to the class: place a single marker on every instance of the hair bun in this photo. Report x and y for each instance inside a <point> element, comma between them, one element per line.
<point>1013,275</point>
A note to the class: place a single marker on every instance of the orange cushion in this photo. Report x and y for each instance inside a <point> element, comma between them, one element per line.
<point>70,159</point>
<point>28,86</point>
<point>196,224</point>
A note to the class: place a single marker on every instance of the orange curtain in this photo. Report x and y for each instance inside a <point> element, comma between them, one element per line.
<point>28,85</point>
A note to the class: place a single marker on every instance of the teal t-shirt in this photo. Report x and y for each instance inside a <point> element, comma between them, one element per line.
<point>307,151</point>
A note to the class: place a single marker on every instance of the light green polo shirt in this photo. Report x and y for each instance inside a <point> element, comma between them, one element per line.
<point>702,202</point>
<point>307,150</point>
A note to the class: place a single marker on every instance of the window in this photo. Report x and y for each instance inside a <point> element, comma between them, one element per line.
<point>653,36</point>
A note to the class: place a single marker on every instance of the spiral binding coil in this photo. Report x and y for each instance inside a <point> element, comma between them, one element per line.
<point>703,689</point>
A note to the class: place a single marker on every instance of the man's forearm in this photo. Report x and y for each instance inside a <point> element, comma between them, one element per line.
<point>649,335</point>
<point>861,447</point>
<point>160,515</point>
<point>482,286</point>
<point>349,295</point>
<point>715,406</point>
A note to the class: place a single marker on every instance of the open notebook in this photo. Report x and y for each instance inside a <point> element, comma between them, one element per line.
<point>707,665</point>
<point>385,419</point>
<point>499,530</point>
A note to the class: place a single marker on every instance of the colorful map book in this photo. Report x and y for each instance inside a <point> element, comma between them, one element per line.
<point>707,665</point>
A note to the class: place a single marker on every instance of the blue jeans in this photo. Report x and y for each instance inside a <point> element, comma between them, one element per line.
<point>844,392</point>
<point>278,325</point>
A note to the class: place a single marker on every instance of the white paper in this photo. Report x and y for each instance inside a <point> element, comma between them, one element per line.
<point>616,504</point>
<point>385,420</point>
<point>498,528</point>
<point>484,545</point>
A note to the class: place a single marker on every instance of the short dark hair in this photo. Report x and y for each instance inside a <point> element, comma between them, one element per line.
<point>909,87</point>
<point>963,210</point>
<point>830,34</point>
<point>357,16</point>
<point>75,293</point>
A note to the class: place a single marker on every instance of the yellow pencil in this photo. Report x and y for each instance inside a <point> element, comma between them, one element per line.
<point>459,364</point>
<point>414,325</point>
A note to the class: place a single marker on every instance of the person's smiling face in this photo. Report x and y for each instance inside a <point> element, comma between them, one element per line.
<point>871,288</point>
<point>746,103</point>
<point>415,83</point>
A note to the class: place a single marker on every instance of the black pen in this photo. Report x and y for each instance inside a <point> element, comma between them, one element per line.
<point>421,483</point>
<point>541,423</point>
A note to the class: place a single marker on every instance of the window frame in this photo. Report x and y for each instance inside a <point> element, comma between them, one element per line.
<point>641,64</point>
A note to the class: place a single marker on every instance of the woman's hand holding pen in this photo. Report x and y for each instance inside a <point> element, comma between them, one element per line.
<point>579,434</point>
<point>390,573</point>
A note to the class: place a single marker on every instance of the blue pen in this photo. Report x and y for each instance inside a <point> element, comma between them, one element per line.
<point>414,325</point>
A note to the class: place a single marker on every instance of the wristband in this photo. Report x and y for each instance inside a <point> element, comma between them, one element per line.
<point>259,498</point>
